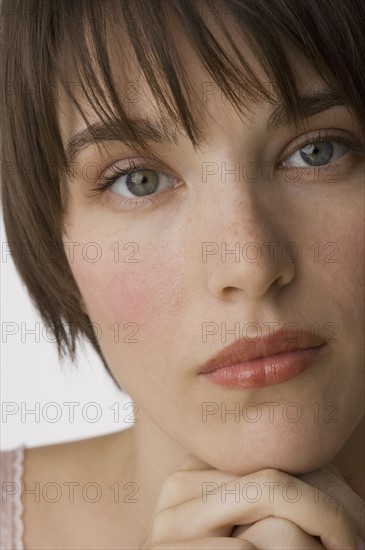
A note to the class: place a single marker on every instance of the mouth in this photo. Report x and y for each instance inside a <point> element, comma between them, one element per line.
<point>271,360</point>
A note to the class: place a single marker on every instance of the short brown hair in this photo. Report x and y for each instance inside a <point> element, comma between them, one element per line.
<point>36,34</point>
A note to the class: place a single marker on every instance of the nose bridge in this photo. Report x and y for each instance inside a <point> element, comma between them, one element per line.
<point>226,171</point>
<point>242,205</point>
<point>242,235</point>
<point>240,226</point>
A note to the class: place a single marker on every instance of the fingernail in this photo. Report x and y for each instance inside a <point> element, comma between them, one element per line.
<point>359,544</point>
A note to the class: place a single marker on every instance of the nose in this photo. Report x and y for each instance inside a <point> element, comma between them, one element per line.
<point>244,247</point>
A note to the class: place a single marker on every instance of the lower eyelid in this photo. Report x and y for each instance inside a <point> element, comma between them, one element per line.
<point>345,153</point>
<point>128,203</point>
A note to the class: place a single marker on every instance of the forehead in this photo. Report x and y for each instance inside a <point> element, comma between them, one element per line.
<point>137,95</point>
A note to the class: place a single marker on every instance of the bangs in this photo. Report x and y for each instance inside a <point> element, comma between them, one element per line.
<point>94,37</point>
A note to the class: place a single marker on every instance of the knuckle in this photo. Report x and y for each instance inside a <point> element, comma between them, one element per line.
<point>162,524</point>
<point>342,517</point>
<point>285,525</point>
<point>339,511</point>
<point>175,489</point>
<point>181,475</point>
<point>275,528</point>
<point>171,485</point>
<point>271,475</point>
<point>174,479</point>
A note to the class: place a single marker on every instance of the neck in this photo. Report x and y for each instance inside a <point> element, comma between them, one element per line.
<point>155,454</point>
<point>151,457</point>
<point>351,458</point>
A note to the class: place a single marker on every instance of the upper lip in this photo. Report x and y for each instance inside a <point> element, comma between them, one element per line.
<point>247,349</point>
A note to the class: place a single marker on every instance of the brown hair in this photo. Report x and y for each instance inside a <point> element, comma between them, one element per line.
<point>35,36</point>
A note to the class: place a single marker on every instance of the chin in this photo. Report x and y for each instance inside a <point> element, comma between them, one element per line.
<point>293,453</point>
<point>293,464</point>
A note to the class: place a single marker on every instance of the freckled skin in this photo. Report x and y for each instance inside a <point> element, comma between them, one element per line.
<point>170,292</point>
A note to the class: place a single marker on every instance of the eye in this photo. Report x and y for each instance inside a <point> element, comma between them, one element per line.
<point>136,185</point>
<point>137,181</point>
<point>319,153</point>
<point>321,150</point>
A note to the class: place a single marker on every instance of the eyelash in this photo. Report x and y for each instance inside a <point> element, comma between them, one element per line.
<point>340,137</point>
<point>107,181</point>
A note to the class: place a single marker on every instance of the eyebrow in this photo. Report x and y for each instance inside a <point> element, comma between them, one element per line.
<point>99,132</point>
<point>149,131</point>
<point>310,105</point>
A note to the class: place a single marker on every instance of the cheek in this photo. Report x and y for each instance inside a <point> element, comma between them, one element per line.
<point>334,253</point>
<point>345,265</point>
<point>146,293</point>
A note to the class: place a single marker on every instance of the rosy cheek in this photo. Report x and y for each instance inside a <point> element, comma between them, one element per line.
<point>129,298</point>
<point>145,293</point>
<point>112,294</point>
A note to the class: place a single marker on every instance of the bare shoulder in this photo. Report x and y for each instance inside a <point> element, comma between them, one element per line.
<point>72,457</point>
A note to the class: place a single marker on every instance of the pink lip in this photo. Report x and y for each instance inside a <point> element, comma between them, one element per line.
<point>271,360</point>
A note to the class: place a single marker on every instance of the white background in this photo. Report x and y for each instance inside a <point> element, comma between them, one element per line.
<point>31,378</point>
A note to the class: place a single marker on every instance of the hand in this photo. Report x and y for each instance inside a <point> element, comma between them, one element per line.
<point>190,515</point>
<point>330,481</point>
<point>275,532</point>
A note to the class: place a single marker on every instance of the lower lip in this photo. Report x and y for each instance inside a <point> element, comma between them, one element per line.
<point>266,371</point>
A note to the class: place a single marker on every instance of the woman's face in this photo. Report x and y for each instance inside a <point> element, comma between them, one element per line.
<point>165,296</point>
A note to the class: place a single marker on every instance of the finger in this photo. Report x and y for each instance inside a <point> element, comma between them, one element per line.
<point>220,543</point>
<point>195,519</point>
<point>192,462</point>
<point>277,534</point>
<point>337,490</point>
<point>181,488</point>
<point>185,485</point>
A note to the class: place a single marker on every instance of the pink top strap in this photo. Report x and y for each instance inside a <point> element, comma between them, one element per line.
<point>11,523</point>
